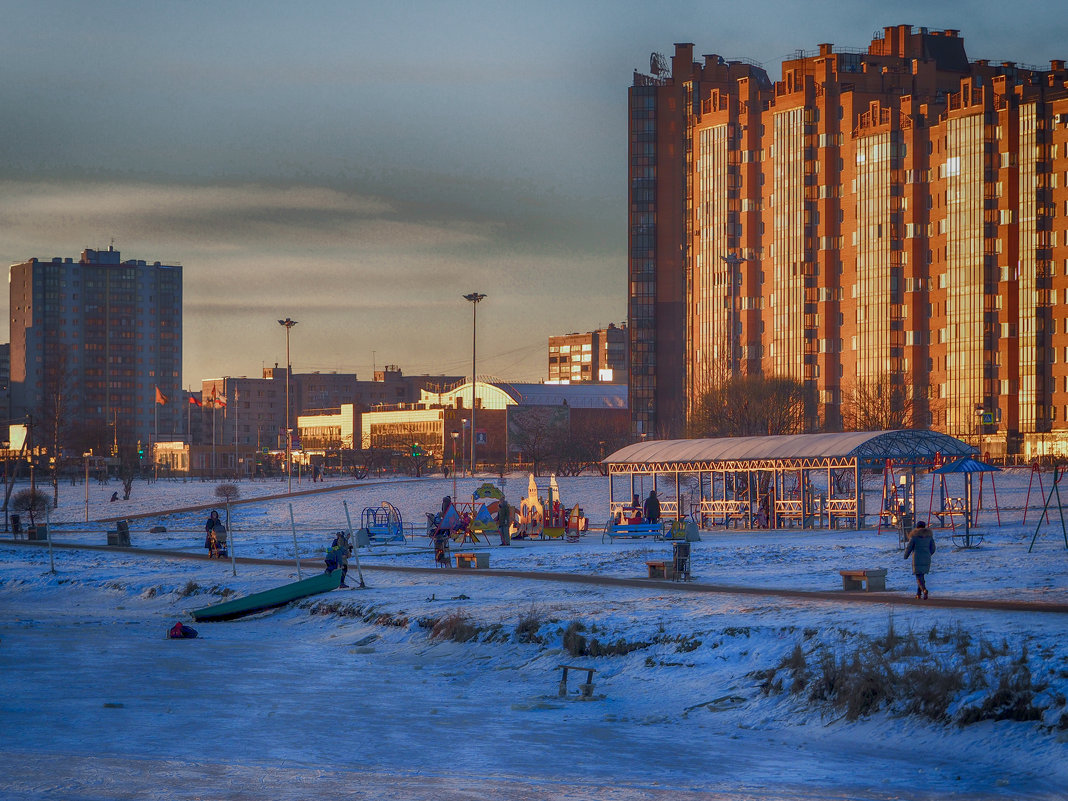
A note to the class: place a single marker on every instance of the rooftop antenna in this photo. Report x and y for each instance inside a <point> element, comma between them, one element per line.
<point>658,64</point>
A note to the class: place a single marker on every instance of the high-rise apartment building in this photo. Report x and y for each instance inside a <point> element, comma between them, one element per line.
<point>598,357</point>
<point>882,225</point>
<point>92,340</point>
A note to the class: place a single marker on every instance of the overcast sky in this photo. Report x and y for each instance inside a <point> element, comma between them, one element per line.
<point>358,166</point>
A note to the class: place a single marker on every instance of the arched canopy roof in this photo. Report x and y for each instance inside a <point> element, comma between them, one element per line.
<point>870,448</point>
<point>501,395</point>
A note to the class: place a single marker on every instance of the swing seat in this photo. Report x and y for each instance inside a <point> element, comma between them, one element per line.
<point>970,540</point>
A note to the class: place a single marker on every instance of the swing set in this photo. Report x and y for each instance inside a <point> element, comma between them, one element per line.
<point>899,497</point>
<point>1058,474</point>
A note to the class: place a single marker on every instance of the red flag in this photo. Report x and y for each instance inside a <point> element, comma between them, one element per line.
<point>161,399</point>
<point>194,400</point>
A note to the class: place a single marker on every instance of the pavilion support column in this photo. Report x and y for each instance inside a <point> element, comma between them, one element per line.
<point>774,499</point>
<point>858,494</point>
<point>678,497</point>
<point>752,494</point>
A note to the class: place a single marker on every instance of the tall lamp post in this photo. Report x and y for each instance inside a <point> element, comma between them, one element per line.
<point>475,298</point>
<point>455,436</point>
<point>288,324</point>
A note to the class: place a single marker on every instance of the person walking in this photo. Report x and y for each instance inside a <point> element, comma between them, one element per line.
<point>214,535</point>
<point>652,508</point>
<point>921,547</point>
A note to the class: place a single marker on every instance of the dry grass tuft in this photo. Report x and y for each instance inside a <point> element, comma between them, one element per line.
<point>455,626</point>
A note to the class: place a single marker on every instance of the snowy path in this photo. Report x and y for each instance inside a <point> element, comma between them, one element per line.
<point>881,598</point>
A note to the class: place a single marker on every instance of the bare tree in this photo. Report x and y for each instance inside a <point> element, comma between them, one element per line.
<point>537,431</point>
<point>31,501</point>
<point>752,405</point>
<point>586,444</point>
<point>54,414</point>
<point>886,403</point>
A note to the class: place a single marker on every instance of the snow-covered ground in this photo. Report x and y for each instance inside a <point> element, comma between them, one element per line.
<point>348,694</point>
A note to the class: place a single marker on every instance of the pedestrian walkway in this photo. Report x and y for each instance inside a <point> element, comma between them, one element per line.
<point>840,597</point>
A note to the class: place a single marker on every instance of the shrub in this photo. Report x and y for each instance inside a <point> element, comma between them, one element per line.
<point>30,501</point>
<point>574,641</point>
<point>931,688</point>
<point>618,648</point>
<point>228,492</point>
<point>866,683</point>
<point>455,626</point>
<point>1012,700</point>
<point>827,678</point>
<point>797,665</point>
<point>529,623</point>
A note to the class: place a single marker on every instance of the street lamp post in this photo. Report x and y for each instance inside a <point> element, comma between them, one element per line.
<point>86,456</point>
<point>475,298</point>
<point>288,324</point>
<point>455,436</point>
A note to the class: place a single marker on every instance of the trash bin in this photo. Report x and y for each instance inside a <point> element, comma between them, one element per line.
<point>680,554</point>
<point>120,535</point>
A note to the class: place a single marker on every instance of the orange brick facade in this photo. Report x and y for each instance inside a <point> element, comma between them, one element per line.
<point>882,222</point>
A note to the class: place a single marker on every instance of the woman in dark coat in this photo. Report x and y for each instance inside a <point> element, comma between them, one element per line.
<point>921,546</point>
<point>652,508</point>
<point>214,535</point>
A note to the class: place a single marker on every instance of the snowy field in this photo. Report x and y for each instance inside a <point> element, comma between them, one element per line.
<point>349,695</point>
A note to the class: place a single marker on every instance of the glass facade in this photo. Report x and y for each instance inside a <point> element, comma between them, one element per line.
<point>1027,233</point>
<point>875,286</point>
<point>715,282</point>
<point>788,245</point>
<point>964,274</point>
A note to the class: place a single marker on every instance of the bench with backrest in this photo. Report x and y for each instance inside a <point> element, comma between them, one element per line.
<point>613,530</point>
<point>870,579</point>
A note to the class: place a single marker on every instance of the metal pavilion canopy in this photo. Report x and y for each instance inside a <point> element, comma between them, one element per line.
<point>809,480</point>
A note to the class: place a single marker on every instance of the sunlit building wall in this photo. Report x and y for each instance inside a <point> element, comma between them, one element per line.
<point>879,222</point>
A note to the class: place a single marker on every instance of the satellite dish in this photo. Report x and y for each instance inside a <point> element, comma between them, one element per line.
<point>657,64</point>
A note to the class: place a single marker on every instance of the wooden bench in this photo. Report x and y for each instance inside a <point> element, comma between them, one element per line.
<point>661,569</point>
<point>870,580</point>
<point>472,560</point>
<point>586,689</point>
<point>613,530</point>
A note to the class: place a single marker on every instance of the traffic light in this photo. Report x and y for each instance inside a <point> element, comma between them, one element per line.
<point>140,449</point>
